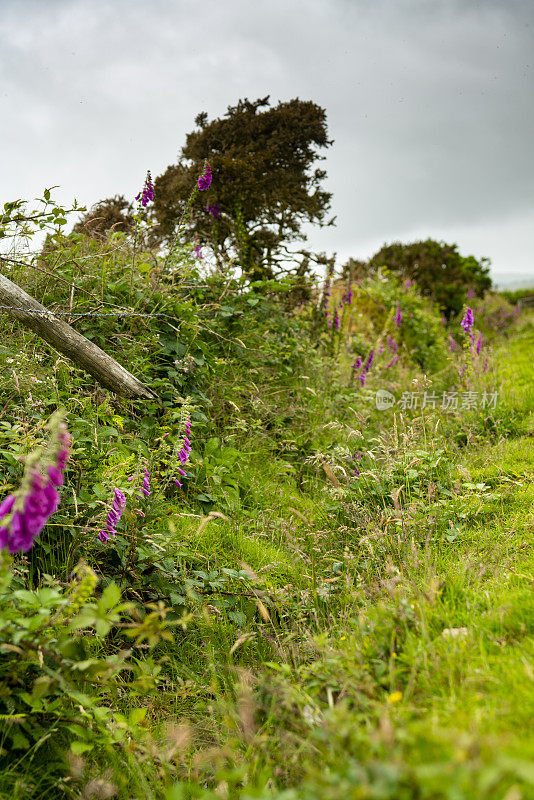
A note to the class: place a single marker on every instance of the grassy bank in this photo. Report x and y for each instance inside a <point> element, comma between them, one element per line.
<point>338,601</point>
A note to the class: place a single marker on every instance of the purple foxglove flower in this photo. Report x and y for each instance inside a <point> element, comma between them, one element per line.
<point>392,362</point>
<point>452,344</point>
<point>204,182</point>
<point>354,368</point>
<point>33,523</point>
<point>182,473</point>
<point>50,500</point>
<point>20,538</point>
<point>63,457</point>
<point>6,505</point>
<point>114,515</point>
<point>468,320</point>
<point>408,283</point>
<point>369,361</point>
<point>5,508</point>
<point>119,502</point>
<point>177,482</point>
<point>147,192</point>
<point>337,321</point>
<point>185,451</point>
<point>39,499</point>
<point>55,475</point>
<point>214,210</point>
<point>41,502</point>
<point>397,319</point>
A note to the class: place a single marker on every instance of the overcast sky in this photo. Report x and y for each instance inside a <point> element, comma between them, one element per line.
<point>429,102</point>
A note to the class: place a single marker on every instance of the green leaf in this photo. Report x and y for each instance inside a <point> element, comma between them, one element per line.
<point>79,730</point>
<point>19,741</point>
<point>212,445</point>
<point>102,627</point>
<point>78,748</point>
<point>41,687</point>
<point>137,715</point>
<point>110,596</point>
<point>108,431</point>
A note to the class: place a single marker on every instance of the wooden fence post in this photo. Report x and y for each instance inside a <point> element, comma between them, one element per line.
<point>70,343</point>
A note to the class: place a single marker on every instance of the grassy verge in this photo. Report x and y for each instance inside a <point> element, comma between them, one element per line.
<point>349,590</point>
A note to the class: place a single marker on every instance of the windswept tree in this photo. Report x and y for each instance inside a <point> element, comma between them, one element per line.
<point>263,188</point>
<point>113,213</point>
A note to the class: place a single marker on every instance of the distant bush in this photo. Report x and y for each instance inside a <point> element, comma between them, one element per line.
<point>439,270</point>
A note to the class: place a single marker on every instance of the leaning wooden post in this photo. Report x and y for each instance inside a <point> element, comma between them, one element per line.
<point>70,343</point>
